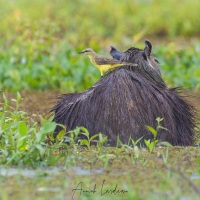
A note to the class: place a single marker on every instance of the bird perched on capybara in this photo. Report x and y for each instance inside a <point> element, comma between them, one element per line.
<point>103,63</point>
<point>127,99</point>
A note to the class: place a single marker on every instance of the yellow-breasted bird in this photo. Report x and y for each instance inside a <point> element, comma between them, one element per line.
<point>103,63</point>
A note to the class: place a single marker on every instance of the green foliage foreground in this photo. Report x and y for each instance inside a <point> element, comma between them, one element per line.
<point>25,142</point>
<point>22,141</point>
<point>146,173</point>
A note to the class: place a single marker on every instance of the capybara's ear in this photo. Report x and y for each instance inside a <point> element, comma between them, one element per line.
<point>148,48</point>
<point>115,53</point>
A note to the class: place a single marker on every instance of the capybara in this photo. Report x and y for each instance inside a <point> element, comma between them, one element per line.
<point>127,99</point>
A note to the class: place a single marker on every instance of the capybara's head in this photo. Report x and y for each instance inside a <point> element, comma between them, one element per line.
<point>139,56</point>
<point>144,58</point>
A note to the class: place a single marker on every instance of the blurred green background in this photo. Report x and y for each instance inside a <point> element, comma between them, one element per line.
<point>39,40</point>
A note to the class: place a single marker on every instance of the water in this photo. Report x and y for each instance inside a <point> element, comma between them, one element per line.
<point>47,172</point>
<point>195,177</point>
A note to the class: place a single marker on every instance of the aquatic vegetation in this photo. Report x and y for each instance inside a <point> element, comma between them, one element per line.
<point>27,143</point>
<point>34,45</point>
<point>23,141</point>
<point>38,51</point>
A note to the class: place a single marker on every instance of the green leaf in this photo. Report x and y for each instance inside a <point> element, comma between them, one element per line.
<point>84,142</point>
<point>48,127</point>
<point>134,143</point>
<point>22,128</point>
<point>85,131</point>
<point>19,98</point>
<point>21,143</point>
<point>40,149</point>
<point>158,119</point>
<point>136,151</point>
<point>94,136</point>
<point>167,144</point>
<point>4,97</point>
<point>102,138</point>
<point>5,102</point>
<point>152,130</point>
<point>147,142</point>
<point>44,130</point>
<point>61,134</point>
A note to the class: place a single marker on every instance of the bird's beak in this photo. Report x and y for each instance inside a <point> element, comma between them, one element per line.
<point>81,52</point>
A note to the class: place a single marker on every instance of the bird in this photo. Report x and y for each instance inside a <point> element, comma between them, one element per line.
<point>103,63</point>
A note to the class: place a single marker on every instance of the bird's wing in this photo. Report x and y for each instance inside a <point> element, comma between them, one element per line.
<point>101,60</point>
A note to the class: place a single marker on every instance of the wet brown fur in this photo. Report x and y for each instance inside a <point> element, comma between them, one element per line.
<point>125,100</point>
